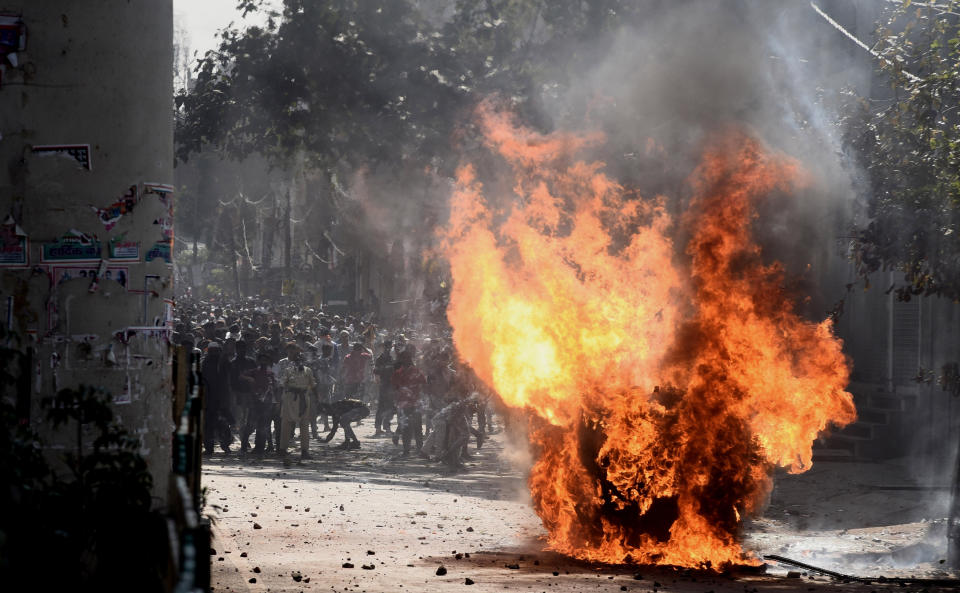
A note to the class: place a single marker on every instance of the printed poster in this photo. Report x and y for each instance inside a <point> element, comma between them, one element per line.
<point>120,274</point>
<point>72,247</point>
<point>124,250</point>
<point>14,245</point>
<point>160,250</point>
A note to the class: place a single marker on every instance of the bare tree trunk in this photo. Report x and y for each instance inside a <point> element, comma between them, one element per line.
<point>268,229</point>
<point>288,235</point>
<point>235,254</point>
<point>203,188</point>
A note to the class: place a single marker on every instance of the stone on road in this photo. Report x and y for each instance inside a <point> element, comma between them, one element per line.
<point>369,521</point>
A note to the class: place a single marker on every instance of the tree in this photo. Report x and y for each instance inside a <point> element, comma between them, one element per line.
<point>336,80</point>
<point>364,82</point>
<point>909,146</point>
<point>330,88</point>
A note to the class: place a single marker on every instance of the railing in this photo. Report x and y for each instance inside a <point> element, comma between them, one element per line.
<point>953,521</point>
<point>189,532</point>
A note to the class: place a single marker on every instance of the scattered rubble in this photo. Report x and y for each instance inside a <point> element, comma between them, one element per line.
<point>397,550</point>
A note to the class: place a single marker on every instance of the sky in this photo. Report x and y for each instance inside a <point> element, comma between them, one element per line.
<point>202,18</point>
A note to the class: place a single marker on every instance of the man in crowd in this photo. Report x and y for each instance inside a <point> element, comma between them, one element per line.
<point>261,403</point>
<point>297,381</point>
<point>243,392</point>
<point>407,380</point>
<point>325,370</point>
<point>299,386</point>
<point>383,369</point>
<point>215,374</point>
<point>354,369</point>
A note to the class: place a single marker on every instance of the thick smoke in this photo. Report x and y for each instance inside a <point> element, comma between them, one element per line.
<point>694,68</point>
<point>658,89</point>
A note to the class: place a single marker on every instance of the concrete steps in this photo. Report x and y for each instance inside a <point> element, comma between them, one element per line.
<point>834,455</point>
<point>874,434</point>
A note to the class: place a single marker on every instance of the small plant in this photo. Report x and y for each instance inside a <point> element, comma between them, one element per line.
<point>108,471</point>
<point>86,512</point>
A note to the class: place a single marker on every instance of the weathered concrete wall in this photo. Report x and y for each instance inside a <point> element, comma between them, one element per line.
<point>95,73</point>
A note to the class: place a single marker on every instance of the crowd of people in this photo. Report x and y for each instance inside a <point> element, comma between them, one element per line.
<point>270,370</point>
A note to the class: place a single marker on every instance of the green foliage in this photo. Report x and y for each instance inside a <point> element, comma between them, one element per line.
<point>909,146</point>
<point>330,87</point>
<point>109,474</point>
<point>92,522</point>
<point>361,82</point>
<point>334,79</point>
<point>185,256</point>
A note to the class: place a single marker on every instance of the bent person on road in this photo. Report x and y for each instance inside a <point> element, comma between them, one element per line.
<point>344,412</point>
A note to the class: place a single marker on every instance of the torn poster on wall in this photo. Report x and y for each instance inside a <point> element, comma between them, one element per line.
<point>121,274</point>
<point>158,332</point>
<point>99,273</point>
<point>13,39</point>
<point>165,193</point>
<point>169,308</point>
<point>112,214</point>
<point>162,190</point>
<point>124,250</point>
<point>72,247</point>
<point>125,396</point>
<point>8,319</point>
<point>13,34</point>
<point>160,250</point>
<point>14,245</point>
<point>77,152</point>
<point>166,226</point>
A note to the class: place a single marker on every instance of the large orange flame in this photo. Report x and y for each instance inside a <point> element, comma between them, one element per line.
<point>664,386</point>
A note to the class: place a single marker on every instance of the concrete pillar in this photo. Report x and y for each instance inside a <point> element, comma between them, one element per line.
<point>87,146</point>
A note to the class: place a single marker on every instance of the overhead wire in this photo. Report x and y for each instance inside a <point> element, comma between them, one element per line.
<point>871,51</point>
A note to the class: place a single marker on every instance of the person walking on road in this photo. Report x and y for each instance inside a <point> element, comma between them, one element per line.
<point>297,381</point>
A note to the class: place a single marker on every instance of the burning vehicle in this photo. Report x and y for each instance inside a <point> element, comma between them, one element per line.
<point>661,358</point>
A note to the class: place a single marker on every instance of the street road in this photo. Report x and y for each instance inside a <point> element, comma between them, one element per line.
<point>370,521</point>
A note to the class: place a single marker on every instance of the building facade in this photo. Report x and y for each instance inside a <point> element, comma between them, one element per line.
<point>87,209</point>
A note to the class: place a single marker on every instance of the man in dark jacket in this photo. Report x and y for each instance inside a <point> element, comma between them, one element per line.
<point>261,403</point>
<point>383,368</point>
<point>407,380</point>
<point>243,391</point>
<point>215,375</point>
